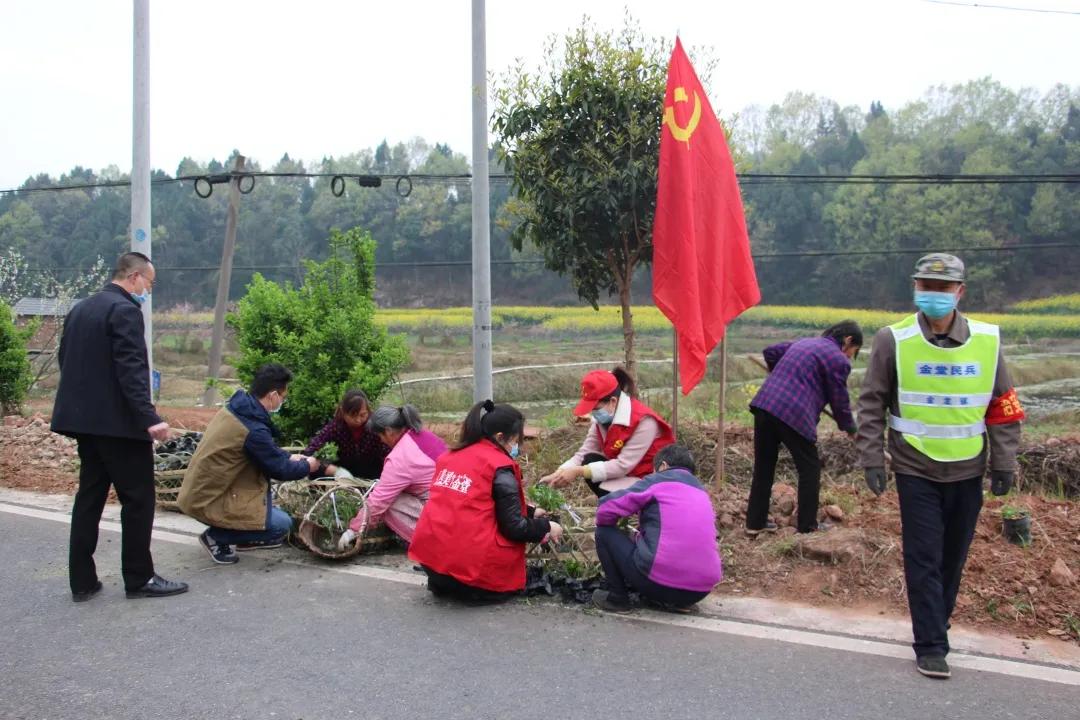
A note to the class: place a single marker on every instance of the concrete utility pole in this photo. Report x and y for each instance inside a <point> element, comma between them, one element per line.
<point>481,223</point>
<point>217,340</point>
<point>140,155</point>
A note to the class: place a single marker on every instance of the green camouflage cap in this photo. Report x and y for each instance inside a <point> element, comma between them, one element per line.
<point>939,266</point>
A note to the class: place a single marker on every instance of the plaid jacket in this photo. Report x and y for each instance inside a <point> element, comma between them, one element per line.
<point>806,376</point>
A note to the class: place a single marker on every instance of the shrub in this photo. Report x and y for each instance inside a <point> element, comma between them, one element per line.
<point>15,377</point>
<point>324,331</point>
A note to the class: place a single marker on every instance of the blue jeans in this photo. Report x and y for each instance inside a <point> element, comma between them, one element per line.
<point>278,525</point>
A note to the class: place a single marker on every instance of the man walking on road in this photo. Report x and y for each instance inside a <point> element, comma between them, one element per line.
<point>938,381</point>
<point>104,402</point>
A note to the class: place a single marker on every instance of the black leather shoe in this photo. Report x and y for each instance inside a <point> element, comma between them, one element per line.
<point>158,586</point>
<point>86,594</point>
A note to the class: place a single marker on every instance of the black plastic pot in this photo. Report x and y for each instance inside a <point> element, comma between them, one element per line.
<point>1017,530</point>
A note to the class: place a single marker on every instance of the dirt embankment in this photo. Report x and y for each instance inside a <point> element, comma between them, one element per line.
<point>1027,591</point>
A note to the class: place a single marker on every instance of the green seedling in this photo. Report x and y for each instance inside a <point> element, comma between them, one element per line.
<point>1012,512</point>
<point>546,497</point>
<point>327,453</point>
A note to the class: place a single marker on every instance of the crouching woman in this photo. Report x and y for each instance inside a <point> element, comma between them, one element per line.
<point>673,561</point>
<point>472,533</point>
<point>399,496</point>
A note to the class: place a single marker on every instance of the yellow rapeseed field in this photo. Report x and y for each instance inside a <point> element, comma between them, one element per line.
<point>648,319</point>
<point>1057,305</point>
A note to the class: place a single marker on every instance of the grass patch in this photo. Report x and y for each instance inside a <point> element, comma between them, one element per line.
<point>844,501</point>
<point>784,547</point>
<point>1065,422</point>
<point>1036,371</point>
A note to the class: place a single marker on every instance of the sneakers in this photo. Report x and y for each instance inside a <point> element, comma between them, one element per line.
<point>603,600</point>
<point>933,666</point>
<point>770,527</point>
<point>247,547</point>
<point>85,595</point>
<point>158,586</point>
<point>221,554</point>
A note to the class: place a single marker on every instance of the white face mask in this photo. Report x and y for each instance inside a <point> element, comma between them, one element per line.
<point>280,404</point>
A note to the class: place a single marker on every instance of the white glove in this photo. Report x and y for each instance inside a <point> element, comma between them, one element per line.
<point>343,473</point>
<point>346,540</point>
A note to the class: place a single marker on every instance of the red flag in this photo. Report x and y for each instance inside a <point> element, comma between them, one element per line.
<point>703,275</point>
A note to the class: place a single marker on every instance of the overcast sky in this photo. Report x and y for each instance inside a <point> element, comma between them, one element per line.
<point>328,78</point>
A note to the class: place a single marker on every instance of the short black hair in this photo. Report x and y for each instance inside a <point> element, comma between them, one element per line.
<point>268,378</point>
<point>675,456</point>
<point>130,262</point>
<point>843,329</point>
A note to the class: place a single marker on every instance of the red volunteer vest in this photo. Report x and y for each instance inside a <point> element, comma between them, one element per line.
<point>617,435</point>
<point>457,534</point>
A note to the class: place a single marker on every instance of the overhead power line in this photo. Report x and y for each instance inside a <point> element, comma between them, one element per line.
<point>756,256</point>
<point>403,182</point>
<point>985,6</point>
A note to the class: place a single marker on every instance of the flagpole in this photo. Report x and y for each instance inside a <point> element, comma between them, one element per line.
<point>675,381</point>
<point>719,481</point>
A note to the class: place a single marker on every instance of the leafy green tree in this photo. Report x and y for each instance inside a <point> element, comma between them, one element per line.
<point>15,374</point>
<point>324,331</point>
<point>581,139</point>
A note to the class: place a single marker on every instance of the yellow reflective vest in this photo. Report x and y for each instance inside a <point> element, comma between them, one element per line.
<point>943,393</point>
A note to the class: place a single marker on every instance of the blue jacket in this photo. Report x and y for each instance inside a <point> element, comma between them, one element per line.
<point>261,442</point>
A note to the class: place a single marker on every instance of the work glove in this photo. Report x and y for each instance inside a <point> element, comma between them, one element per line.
<point>341,473</point>
<point>876,479</point>
<point>346,540</point>
<point>1000,481</point>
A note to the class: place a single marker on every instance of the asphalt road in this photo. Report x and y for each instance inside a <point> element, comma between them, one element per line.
<point>267,639</point>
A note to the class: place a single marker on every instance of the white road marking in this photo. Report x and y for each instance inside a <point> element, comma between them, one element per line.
<point>1031,671</point>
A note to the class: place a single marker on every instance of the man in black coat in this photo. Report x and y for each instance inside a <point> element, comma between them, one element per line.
<point>104,403</point>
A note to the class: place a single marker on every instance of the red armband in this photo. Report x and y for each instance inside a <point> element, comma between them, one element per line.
<point>1005,409</point>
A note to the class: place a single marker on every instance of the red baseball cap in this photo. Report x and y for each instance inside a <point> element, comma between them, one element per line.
<point>595,386</point>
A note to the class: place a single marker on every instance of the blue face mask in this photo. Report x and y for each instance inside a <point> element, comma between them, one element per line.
<point>514,451</point>
<point>141,298</point>
<point>935,305</point>
<point>602,416</point>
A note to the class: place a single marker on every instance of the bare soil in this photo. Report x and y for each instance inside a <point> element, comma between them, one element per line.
<point>1005,587</point>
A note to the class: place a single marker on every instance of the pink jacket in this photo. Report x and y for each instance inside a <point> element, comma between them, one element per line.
<point>401,491</point>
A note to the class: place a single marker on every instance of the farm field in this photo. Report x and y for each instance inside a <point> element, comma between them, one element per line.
<point>1043,351</point>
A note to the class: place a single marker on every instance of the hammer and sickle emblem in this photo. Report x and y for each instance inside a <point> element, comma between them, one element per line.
<point>682,134</point>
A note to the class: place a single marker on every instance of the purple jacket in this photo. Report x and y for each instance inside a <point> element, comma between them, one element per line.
<point>677,545</point>
<point>806,375</point>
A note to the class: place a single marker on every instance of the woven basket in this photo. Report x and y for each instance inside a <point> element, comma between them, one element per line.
<point>314,538</point>
<point>303,499</point>
<point>167,488</point>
